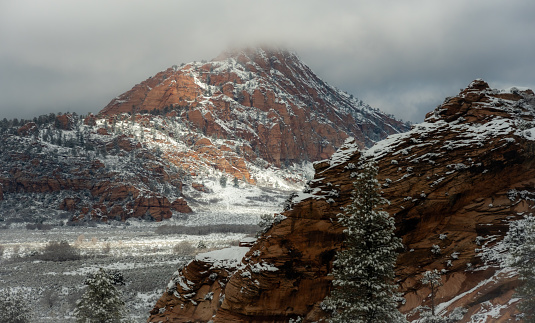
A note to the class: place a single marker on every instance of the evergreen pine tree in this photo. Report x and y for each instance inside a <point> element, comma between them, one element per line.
<point>433,280</point>
<point>363,285</point>
<point>101,301</point>
<point>223,181</point>
<point>59,142</point>
<point>521,237</point>
<point>14,307</point>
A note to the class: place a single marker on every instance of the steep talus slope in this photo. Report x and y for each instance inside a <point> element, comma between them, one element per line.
<point>268,98</point>
<point>454,183</point>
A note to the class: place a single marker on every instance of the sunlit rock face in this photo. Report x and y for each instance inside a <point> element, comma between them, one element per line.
<point>268,98</point>
<point>454,181</point>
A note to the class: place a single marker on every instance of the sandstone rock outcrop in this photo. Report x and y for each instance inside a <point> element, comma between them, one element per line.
<point>200,187</point>
<point>27,129</point>
<point>268,98</point>
<point>64,121</point>
<point>454,183</point>
<point>180,205</point>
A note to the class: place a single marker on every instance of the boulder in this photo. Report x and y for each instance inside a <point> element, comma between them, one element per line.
<point>181,205</point>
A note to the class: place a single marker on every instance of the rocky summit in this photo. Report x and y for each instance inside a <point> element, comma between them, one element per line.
<point>268,98</point>
<point>455,183</point>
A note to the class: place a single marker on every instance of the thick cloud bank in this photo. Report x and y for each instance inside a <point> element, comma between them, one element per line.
<point>402,57</point>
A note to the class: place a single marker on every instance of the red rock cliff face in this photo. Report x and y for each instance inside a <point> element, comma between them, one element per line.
<point>453,182</point>
<point>268,98</point>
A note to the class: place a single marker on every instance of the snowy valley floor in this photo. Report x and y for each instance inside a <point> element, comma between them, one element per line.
<point>146,258</point>
<point>146,253</point>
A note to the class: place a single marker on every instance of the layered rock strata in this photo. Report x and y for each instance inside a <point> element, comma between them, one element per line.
<point>454,183</point>
<point>268,98</point>
<point>246,113</point>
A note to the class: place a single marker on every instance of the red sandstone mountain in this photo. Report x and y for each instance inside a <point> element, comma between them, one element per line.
<point>454,182</point>
<point>237,116</point>
<point>268,98</point>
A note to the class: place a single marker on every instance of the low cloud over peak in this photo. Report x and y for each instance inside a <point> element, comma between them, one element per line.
<point>400,57</point>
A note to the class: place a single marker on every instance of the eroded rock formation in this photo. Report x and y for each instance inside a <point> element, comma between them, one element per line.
<point>454,183</point>
<point>64,168</point>
<point>268,98</point>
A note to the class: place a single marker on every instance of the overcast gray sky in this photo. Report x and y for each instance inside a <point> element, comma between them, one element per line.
<point>402,57</point>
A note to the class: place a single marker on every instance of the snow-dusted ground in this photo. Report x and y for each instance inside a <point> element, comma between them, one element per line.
<point>136,248</point>
<point>146,259</point>
<point>232,205</point>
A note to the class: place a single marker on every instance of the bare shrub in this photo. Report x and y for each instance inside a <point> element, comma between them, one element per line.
<point>80,239</point>
<point>64,215</point>
<point>184,248</point>
<point>16,251</point>
<point>107,248</point>
<point>59,251</point>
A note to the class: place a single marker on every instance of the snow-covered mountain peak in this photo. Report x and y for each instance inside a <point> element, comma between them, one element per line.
<point>267,98</point>
<point>257,117</point>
